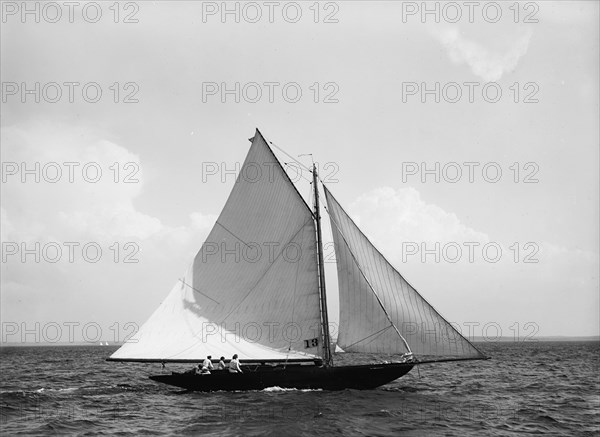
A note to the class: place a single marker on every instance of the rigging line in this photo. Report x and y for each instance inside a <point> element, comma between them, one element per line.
<point>285,175</point>
<point>223,226</point>
<point>301,175</point>
<point>370,286</point>
<point>295,160</point>
<point>290,156</point>
<point>187,322</point>
<point>399,274</point>
<point>250,291</point>
<point>368,336</point>
<point>198,291</point>
<point>308,169</point>
<point>265,272</point>
<point>445,360</point>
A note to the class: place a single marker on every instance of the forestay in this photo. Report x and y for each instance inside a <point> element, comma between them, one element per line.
<point>380,312</point>
<point>252,289</point>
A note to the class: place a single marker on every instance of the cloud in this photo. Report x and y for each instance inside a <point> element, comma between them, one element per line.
<point>141,256</point>
<point>536,281</point>
<point>403,214</point>
<point>93,197</point>
<point>486,63</point>
<point>7,228</point>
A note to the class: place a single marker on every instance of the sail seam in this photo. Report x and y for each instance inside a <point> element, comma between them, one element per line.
<point>198,291</point>
<point>265,272</point>
<point>369,336</point>
<point>224,227</point>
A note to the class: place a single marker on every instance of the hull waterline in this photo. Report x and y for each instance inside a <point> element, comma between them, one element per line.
<point>300,377</point>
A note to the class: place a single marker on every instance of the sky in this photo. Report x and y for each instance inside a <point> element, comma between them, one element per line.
<point>464,142</point>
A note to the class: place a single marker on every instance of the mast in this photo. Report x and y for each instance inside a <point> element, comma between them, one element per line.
<point>322,293</point>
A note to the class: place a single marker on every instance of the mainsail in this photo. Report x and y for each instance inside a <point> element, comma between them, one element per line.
<point>380,312</point>
<point>252,289</point>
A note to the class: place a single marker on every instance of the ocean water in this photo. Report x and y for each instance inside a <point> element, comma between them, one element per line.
<point>538,388</point>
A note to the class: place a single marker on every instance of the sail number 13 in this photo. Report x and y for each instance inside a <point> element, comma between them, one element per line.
<point>313,342</point>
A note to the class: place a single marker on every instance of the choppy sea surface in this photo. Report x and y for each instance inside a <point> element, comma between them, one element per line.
<point>527,388</point>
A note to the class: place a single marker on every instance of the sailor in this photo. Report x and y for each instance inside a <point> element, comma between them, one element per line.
<point>206,366</point>
<point>221,365</point>
<point>234,365</point>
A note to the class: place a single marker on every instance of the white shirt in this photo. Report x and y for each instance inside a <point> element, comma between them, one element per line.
<point>207,364</point>
<point>234,366</point>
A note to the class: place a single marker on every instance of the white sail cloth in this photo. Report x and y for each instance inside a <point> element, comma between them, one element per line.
<point>253,286</point>
<point>379,309</point>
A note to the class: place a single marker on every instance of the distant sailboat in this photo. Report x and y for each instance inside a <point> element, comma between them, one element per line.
<point>269,304</point>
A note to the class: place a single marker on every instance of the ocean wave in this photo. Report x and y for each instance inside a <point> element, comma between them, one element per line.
<point>83,394</point>
<point>276,389</point>
<point>57,390</point>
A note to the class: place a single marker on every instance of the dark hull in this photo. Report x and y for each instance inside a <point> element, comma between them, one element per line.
<point>300,377</point>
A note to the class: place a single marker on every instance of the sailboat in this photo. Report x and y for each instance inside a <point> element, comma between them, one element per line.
<point>256,288</point>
